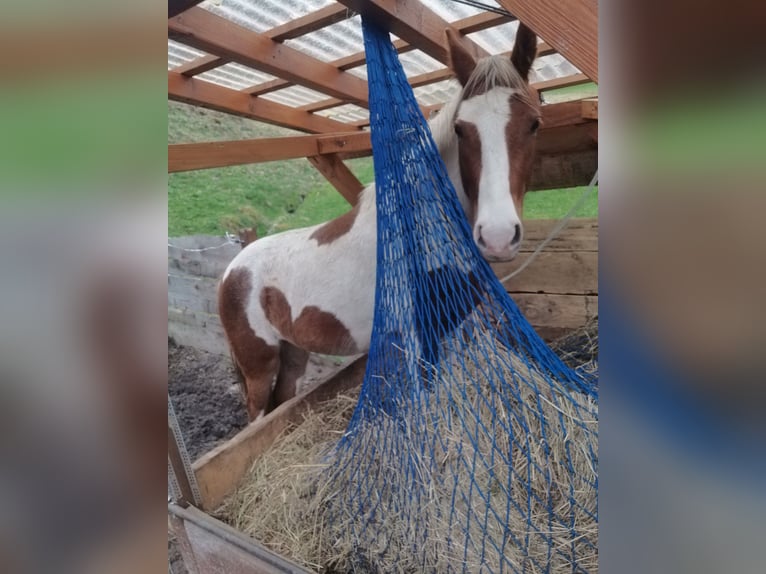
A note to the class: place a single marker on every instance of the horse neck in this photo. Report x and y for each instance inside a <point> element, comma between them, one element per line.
<point>443,132</point>
<point>446,142</point>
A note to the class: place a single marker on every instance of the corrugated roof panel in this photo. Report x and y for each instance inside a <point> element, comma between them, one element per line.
<point>235,76</point>
<point>332,42</point>
<point>451,11</point>
<point>295,96</point>
<point>436,93</point>
<point>346,113</point>
<point>262,15</point>
<point>179,54</point>
<point>343,39</point>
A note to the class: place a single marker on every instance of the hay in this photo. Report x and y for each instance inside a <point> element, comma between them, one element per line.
<point>313,517</point>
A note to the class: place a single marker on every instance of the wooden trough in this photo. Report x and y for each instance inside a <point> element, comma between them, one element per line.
<point>558,292</point>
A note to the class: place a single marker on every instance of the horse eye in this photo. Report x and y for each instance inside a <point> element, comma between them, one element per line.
<point>459,130</point>
<point>535,126</point>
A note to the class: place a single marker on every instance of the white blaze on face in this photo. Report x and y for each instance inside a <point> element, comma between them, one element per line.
<point>497,223</point>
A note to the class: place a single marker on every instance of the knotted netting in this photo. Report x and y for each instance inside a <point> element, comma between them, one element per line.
<point>473,448</point>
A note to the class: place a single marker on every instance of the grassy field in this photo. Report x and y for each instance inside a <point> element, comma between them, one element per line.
<point>282,195</point>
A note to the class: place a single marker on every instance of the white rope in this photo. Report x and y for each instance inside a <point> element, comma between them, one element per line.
<point>556,230</point>
<point>230,240</point>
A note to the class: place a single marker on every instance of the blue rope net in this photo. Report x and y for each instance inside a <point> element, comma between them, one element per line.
<point>473,448</point>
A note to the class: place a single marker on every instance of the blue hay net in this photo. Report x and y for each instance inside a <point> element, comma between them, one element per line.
<point>473,447</point>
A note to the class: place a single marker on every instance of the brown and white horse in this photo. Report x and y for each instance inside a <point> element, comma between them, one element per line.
<point>312,290</point>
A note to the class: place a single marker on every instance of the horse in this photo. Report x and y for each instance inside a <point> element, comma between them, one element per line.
<point>311,290</point>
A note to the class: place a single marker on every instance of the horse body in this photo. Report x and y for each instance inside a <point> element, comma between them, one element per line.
<point>312,290</point>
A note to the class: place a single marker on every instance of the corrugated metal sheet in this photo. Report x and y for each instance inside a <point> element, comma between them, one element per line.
<point>343,39</point>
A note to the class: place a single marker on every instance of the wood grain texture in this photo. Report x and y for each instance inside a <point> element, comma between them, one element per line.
<point>222,468</point>
<point>186,157</point>
<point>212,96</point>
<point>211,33</point>
<point>562,170</point>
<point>555,315</point>
<point>412,22</point>
<point>553,273</point>
<point>341,178</point>
<point>571,27</point>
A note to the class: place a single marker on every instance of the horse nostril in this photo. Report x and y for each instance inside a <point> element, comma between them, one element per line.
<point>480,241</point>
<point>516,235</point>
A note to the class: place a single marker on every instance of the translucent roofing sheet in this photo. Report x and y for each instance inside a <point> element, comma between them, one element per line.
<point>343,39</point>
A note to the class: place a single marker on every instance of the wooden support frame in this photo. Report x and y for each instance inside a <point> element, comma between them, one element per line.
<point>292,29</point>
<point>571,27</point>
<point>414,23</point>
<point>192,156</point>
<point>206,31</point>
<point>206,155</point>
<point>467,25</point>
<point>215,97</point>
<point>415,81</point>
<point>338,174</point>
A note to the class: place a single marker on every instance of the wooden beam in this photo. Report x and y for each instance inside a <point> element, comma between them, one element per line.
<point>415,81</point>
<point>326,16</point>
<point>200,65</point>
<point>566,81</point>
<point>467,25</point>
<point>481,21</point>
<point>206,31</point>
<point>557,171</point>
<point>192,156</point>
<point>341,178</point>
<point>292,29</point>
<point>215,97</point>
<point>571,27</point>
<point>175,7</point>
<point>566,139</point>
<point>414,23</point>
<point>590,108</point>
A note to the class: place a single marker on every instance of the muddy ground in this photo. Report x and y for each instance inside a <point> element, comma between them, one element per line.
<point>208,403</point>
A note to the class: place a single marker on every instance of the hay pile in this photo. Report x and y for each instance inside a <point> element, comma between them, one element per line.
<point>318,518</point>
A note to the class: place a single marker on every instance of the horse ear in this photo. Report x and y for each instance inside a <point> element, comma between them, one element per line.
<point>524,51</point>
<point>461,60</point>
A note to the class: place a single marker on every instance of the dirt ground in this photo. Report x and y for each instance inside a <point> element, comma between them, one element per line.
<point>208,403</point>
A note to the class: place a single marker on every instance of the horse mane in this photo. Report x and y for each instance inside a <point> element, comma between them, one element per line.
<point>490,72</point>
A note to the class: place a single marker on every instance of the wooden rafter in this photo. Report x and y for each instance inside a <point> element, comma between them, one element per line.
<point>571,27</point>
<point>415,81</point>
<point>199,65</point>
<point>413,22</point>
<point>212,96</point>
<point>467,25</point>
<point>186,157</point>
<point>294,28</point>
<point>326,16</point>
<point>206,31</point>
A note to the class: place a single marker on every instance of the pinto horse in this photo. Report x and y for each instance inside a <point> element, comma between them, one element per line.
<point>312,290</point>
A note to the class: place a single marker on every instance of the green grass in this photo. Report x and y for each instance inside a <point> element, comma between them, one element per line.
<point>282,195</point>
<point>556,203</point>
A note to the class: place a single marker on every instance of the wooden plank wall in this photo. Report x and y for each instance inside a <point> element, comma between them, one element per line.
<point>558,292</point>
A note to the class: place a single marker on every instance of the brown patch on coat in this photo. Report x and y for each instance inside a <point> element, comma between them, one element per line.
<point>314,330</point>
<point>521,138</point>
<point>335,228</point>
<point>469,158</point>
<point>253,356</point>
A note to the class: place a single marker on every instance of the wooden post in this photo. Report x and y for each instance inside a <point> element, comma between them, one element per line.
<point>336,172</point>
